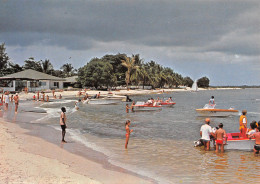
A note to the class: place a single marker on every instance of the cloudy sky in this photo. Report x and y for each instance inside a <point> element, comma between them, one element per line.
<point>219,39</point>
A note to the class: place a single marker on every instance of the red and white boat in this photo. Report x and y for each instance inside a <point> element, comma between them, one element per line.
<point>234,141</point>
<point>142,106</point>
<point>166,104</point>
<point>238,142</point>
<point>208,110</point>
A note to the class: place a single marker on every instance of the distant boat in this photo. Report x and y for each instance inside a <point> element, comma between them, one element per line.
<point>194,87</point>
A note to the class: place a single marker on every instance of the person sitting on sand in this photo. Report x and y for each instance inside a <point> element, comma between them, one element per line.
<point>77,104</point>
<point>16,102</point>
<point>205,132</point>
<point>243,123</point>
<point>63,125</point>
<point>212,101</point>
<point>256,135</point>
<point>128,131</point>
<point>220,135</point>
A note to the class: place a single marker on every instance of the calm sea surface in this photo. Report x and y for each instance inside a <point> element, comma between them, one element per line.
<point>161,145</point>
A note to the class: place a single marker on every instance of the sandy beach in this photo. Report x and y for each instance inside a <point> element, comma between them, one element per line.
<point>32,155</point>
<point>29,159</point>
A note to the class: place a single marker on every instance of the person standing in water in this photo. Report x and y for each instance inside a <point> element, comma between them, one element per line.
<point>205,132</point>
<point>128,131</point>
<point>220,135</point>
<point>6,100</point>
<point>16,102</point>
<point>63,125</point>
<point>256,135</point>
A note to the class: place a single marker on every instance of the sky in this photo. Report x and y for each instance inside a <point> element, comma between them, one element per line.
<point>219,39</point>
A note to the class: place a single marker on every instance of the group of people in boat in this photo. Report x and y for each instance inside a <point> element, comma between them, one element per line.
<point>252,132</point>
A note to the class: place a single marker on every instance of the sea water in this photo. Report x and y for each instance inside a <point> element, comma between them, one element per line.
<point>161,144</point>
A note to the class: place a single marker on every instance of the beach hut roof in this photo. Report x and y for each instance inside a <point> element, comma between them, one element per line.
<point>72,79</point>
<point>31,75</point>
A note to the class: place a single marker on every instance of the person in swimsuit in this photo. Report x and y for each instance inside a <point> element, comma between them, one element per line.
<point>16,102</point>
<point>256,135</point>
<point>127,108</point>
<point>6,100</point>
<point>63,125</point>
<point>47,98</point>
<point>132,106</point>
<point>220,136</point>
<point>128,131</point>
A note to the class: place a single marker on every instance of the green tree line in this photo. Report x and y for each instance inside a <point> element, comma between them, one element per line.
<point>108,71</point>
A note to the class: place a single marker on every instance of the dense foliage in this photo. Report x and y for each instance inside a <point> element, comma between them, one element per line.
<point>203,82</point>
<point>108,71</point>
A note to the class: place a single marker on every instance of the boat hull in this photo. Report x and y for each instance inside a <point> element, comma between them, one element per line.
<point>165,104</point>
<point>236,142</point>
<point>103,102</point>
<point>142,108</point>
<point>217,112</point>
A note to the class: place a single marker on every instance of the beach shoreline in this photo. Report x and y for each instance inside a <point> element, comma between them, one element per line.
<point>74,93</point>
<point>60,165</point>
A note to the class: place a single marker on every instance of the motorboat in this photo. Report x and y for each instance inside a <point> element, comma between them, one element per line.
<point>238,142</point>
<point>166,104</point>
<point>210,110</point>
<point>142,106</point>
<point>102,101</point>
<point>233,141</point>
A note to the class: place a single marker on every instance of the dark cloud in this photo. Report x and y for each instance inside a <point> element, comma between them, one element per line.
<point>180,30</point>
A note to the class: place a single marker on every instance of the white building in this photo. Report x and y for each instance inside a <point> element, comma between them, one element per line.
<point>30,79</point>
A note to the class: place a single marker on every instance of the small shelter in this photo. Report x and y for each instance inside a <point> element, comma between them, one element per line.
<point>30,79</point>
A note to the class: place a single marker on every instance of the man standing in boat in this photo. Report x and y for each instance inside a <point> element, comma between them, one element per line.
<point>205,132</point>
<point>212,101</point>
<point>243,124</point>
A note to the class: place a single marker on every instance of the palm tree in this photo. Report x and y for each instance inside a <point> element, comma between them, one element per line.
<point>46,66</point>
<point>67,69</point>
<point>130,64</point>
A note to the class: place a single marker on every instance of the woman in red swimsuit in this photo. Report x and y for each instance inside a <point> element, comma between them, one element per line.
<point>128,131</point>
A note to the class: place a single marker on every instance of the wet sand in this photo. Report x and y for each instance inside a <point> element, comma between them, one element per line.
<point>31,153</point>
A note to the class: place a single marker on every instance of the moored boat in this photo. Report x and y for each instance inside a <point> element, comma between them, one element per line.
<point>142,106</point>
<point>166,104</point>
<point>212,111</point>
<point>103,101</point>
<point>237,142</point>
